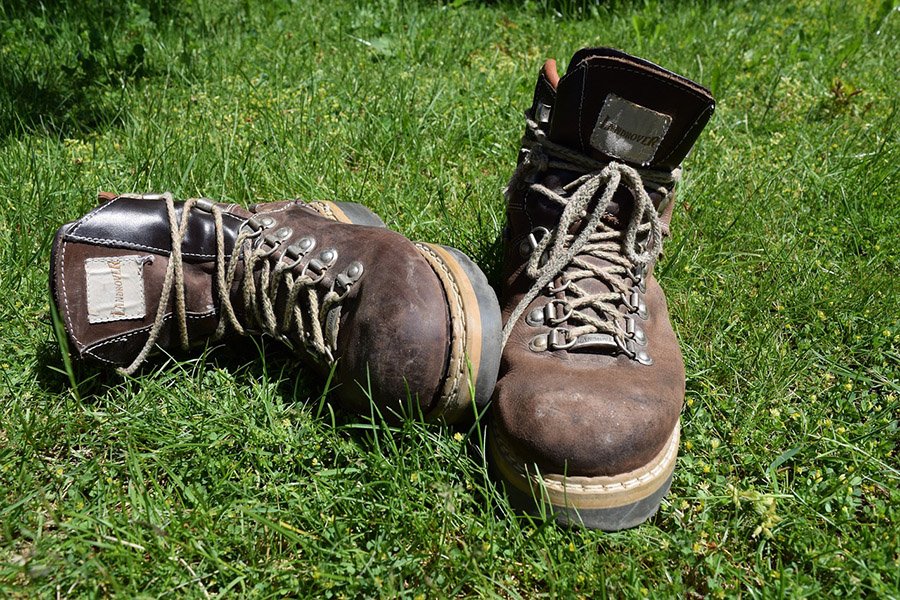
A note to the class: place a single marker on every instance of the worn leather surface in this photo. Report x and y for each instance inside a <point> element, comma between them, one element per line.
<point>395,332</point>
<point>592,412</point>
<point>394,329</point>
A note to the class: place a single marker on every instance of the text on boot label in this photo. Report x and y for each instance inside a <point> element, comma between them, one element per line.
<point>629,131</point>
<point>115,288</point>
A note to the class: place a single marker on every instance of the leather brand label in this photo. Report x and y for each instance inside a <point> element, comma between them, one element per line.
<point>115,288</point>
<point>629,131</point>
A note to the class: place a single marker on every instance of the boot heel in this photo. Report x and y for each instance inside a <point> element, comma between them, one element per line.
<point>354,213</point>
<point>476,323</point>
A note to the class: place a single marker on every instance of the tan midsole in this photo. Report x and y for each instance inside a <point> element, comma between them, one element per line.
<point>338,213</point>
<point>463,305</point>
<point>586,492</point>
<point>472,313</point>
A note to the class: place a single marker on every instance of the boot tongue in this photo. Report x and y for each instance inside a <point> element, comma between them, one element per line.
<point>612,106</point>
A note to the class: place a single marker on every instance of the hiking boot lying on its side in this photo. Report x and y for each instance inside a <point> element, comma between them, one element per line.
<point>403,320</point>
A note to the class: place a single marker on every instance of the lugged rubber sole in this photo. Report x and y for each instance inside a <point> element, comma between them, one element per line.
<point>609,503</point>
<point>475,333</point>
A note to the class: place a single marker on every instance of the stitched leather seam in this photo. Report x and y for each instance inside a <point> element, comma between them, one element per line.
<point>72,233</point>
<point>123,337</point>
<point>134,245</point>
<point>323,209</point>
<point>67,311</point>
<point>457,345</point>
<point>581,109</point>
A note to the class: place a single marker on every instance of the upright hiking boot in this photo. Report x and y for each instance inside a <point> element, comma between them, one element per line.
<point>586,412</point>
<point>396,321</point>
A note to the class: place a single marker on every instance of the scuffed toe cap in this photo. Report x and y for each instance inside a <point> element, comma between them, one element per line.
<point>581,431</point>
<point>394,339</point>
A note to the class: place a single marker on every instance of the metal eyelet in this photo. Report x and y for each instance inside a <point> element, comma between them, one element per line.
<point>557,339</point>
<point>295,252</point>
<point>344,281</point>
<point>554,341</point>
<point>555,288</point>
<point>643,357</point>
<point>204,204</point>
<point>319,265</point>
<point>552,313</point>
<point>642,311</point>
<point>268,244</point>
<point>538,343</point>
<point>640,338</point>
<point>634,334</point>
<point>635,304</point>
<point>638,276</point>
<point>257,225</point>
<point>283,233</point>
<point>536,317</point>
<point>530,243</point>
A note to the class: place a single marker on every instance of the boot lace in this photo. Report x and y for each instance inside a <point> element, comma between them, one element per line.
<point>558,260</point>
<point>307,306</point>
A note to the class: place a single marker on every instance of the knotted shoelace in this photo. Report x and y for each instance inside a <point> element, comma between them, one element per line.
<point>259,302</point>
<point>637,245</point>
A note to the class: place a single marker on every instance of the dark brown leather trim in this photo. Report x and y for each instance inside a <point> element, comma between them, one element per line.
<point>138,224</point>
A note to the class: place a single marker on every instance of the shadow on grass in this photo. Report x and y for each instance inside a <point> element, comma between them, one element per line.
<point>64,65</point>
<point>29,104</point>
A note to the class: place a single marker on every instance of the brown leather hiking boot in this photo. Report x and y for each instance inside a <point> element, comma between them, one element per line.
<point>586,411</point>
<point>394,319</point>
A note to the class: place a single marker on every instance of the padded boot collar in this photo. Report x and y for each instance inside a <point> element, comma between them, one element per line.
<point>612,106</point>
<point>135,223</point>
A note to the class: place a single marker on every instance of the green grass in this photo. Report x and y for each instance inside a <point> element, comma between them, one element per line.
<point>230,475</point>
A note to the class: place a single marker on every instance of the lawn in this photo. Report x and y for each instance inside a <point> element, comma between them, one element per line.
<point>234,474</point>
